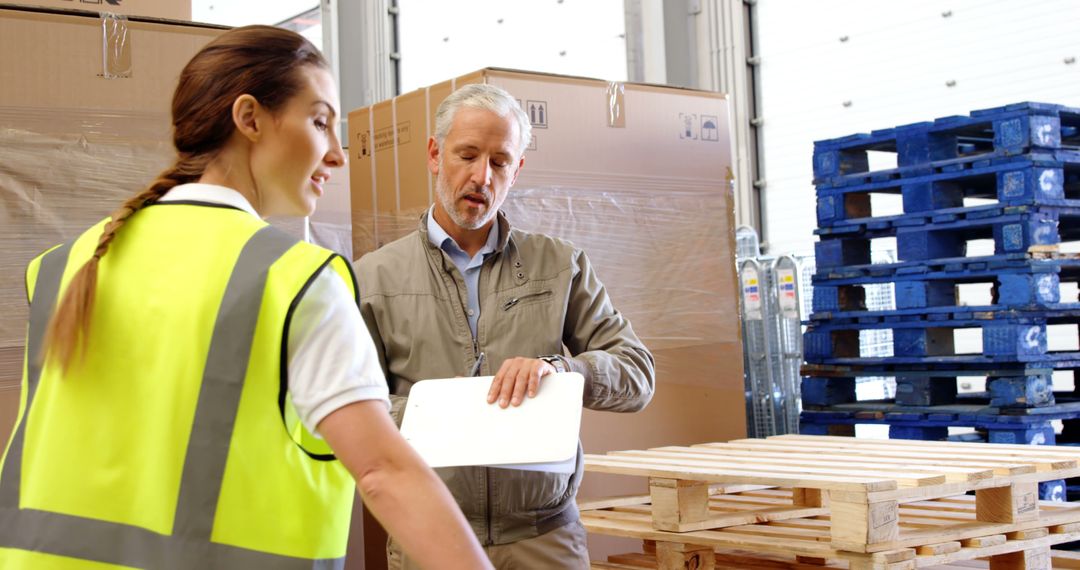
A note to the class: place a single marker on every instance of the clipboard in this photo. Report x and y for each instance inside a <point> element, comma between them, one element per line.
<point>450,424</point>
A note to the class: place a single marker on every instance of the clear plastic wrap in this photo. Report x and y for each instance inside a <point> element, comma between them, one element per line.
<point>663,255</point>
<point>60,172</point>
<point>662,247</point>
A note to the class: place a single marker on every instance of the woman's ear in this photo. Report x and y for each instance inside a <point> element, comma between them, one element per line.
<point>245,114</point>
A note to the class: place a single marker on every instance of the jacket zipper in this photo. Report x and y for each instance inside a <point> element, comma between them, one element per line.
<point>487,502</point>
<point>510,304</point>
<point>487,471</point>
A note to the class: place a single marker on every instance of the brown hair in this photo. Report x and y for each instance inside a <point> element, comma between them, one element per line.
<point>261,61</point>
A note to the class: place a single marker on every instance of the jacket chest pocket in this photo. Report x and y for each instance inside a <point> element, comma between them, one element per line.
<point>526,323</point>
<point>518,302</point>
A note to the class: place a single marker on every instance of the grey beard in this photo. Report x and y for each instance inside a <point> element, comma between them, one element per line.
<point>449,202</point>
<point>473,224</point>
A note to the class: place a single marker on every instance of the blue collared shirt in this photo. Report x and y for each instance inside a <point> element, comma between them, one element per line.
<point>469,267</point>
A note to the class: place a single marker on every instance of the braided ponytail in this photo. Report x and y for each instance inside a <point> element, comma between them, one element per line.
<point>66,335</point>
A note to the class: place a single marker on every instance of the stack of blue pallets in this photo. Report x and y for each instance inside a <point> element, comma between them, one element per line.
<point>1009,174</point>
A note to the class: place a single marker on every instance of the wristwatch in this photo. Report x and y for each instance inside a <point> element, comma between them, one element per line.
<point>557,362</point>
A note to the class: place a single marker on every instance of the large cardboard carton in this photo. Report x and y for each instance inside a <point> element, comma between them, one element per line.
<point>639,177</point>
<point>169,9</point>
<point>74,141</point>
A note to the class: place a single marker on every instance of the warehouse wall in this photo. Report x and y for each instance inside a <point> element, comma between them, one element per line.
<point>830,68</point>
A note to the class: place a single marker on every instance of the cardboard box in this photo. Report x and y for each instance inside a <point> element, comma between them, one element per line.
<point>55,61</point>
<point>169,9</point>
<point>638,176</point>
<point>647,195</point>
<point>74,144</point>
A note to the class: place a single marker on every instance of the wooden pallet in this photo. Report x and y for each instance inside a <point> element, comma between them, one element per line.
<point>744,560</point>
<point>937,529</point>
<point>859,484</point>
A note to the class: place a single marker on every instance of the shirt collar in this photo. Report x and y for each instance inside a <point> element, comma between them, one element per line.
<point>211,193</point>
<point>439,238</point>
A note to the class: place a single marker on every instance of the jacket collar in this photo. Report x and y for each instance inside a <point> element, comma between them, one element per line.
<point>500,245</point>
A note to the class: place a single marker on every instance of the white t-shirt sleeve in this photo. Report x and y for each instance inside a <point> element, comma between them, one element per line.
<point>332,359</point>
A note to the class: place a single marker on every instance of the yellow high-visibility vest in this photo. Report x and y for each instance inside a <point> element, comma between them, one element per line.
<point>174,443</point>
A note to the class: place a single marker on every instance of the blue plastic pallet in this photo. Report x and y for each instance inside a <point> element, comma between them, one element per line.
<point>1020,292</point>
<point>947,266</point>
<point>954,270</point>
<point>1018,393</point>
<point>891,180</point>
<point>940,366</point>
<point>1013,339</point>
<point>1000,131</point>
<point>962,315</point>
<point>1035,430</point>
<point>968,407</point>
<point>1039,178</point>
<point>956,218</point>
<point>1013,233</point>
<point>972,361</point>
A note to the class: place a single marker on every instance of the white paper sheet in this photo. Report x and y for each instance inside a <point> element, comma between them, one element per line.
<point>449,423</point>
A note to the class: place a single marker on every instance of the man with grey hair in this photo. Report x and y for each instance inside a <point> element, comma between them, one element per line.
<point>466,284</point>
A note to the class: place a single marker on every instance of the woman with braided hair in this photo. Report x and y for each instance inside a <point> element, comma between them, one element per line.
<point>199,390</point>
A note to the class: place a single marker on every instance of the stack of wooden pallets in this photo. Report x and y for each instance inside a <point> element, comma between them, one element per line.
<point>833,502</point>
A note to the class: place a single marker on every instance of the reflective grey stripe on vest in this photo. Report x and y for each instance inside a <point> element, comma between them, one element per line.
<point>208,446</point>
<point>46,288</point>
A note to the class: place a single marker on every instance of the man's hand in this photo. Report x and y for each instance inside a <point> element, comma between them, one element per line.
<point>516,377</point>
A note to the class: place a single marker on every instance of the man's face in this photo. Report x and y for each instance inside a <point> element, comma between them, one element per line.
<point>475,167</point>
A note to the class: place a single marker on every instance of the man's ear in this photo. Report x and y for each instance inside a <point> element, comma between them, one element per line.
<point>520,165</point>
<point>433,156</point>
<point>245,115</point>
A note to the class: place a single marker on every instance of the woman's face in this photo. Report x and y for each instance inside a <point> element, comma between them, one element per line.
<point>291,162</point>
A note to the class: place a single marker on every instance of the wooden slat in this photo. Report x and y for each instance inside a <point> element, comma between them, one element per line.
<point>1065,559</point>
<point>791,471</point>
<point>1028,534</point>
<point>913,494</point>
<point>635,559</point>
<point>604,464</point>
<point>984,541</point>
<point>968,451</point>
<point>751,517</point>
<point>938,548</point>
<point>1065,528</point>
<point>586,504</point>
<point>1042,463</point>
<point>1019,449</point>
<point>1000,464</point>
<point>842,465</point>
<point>609,502</point>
